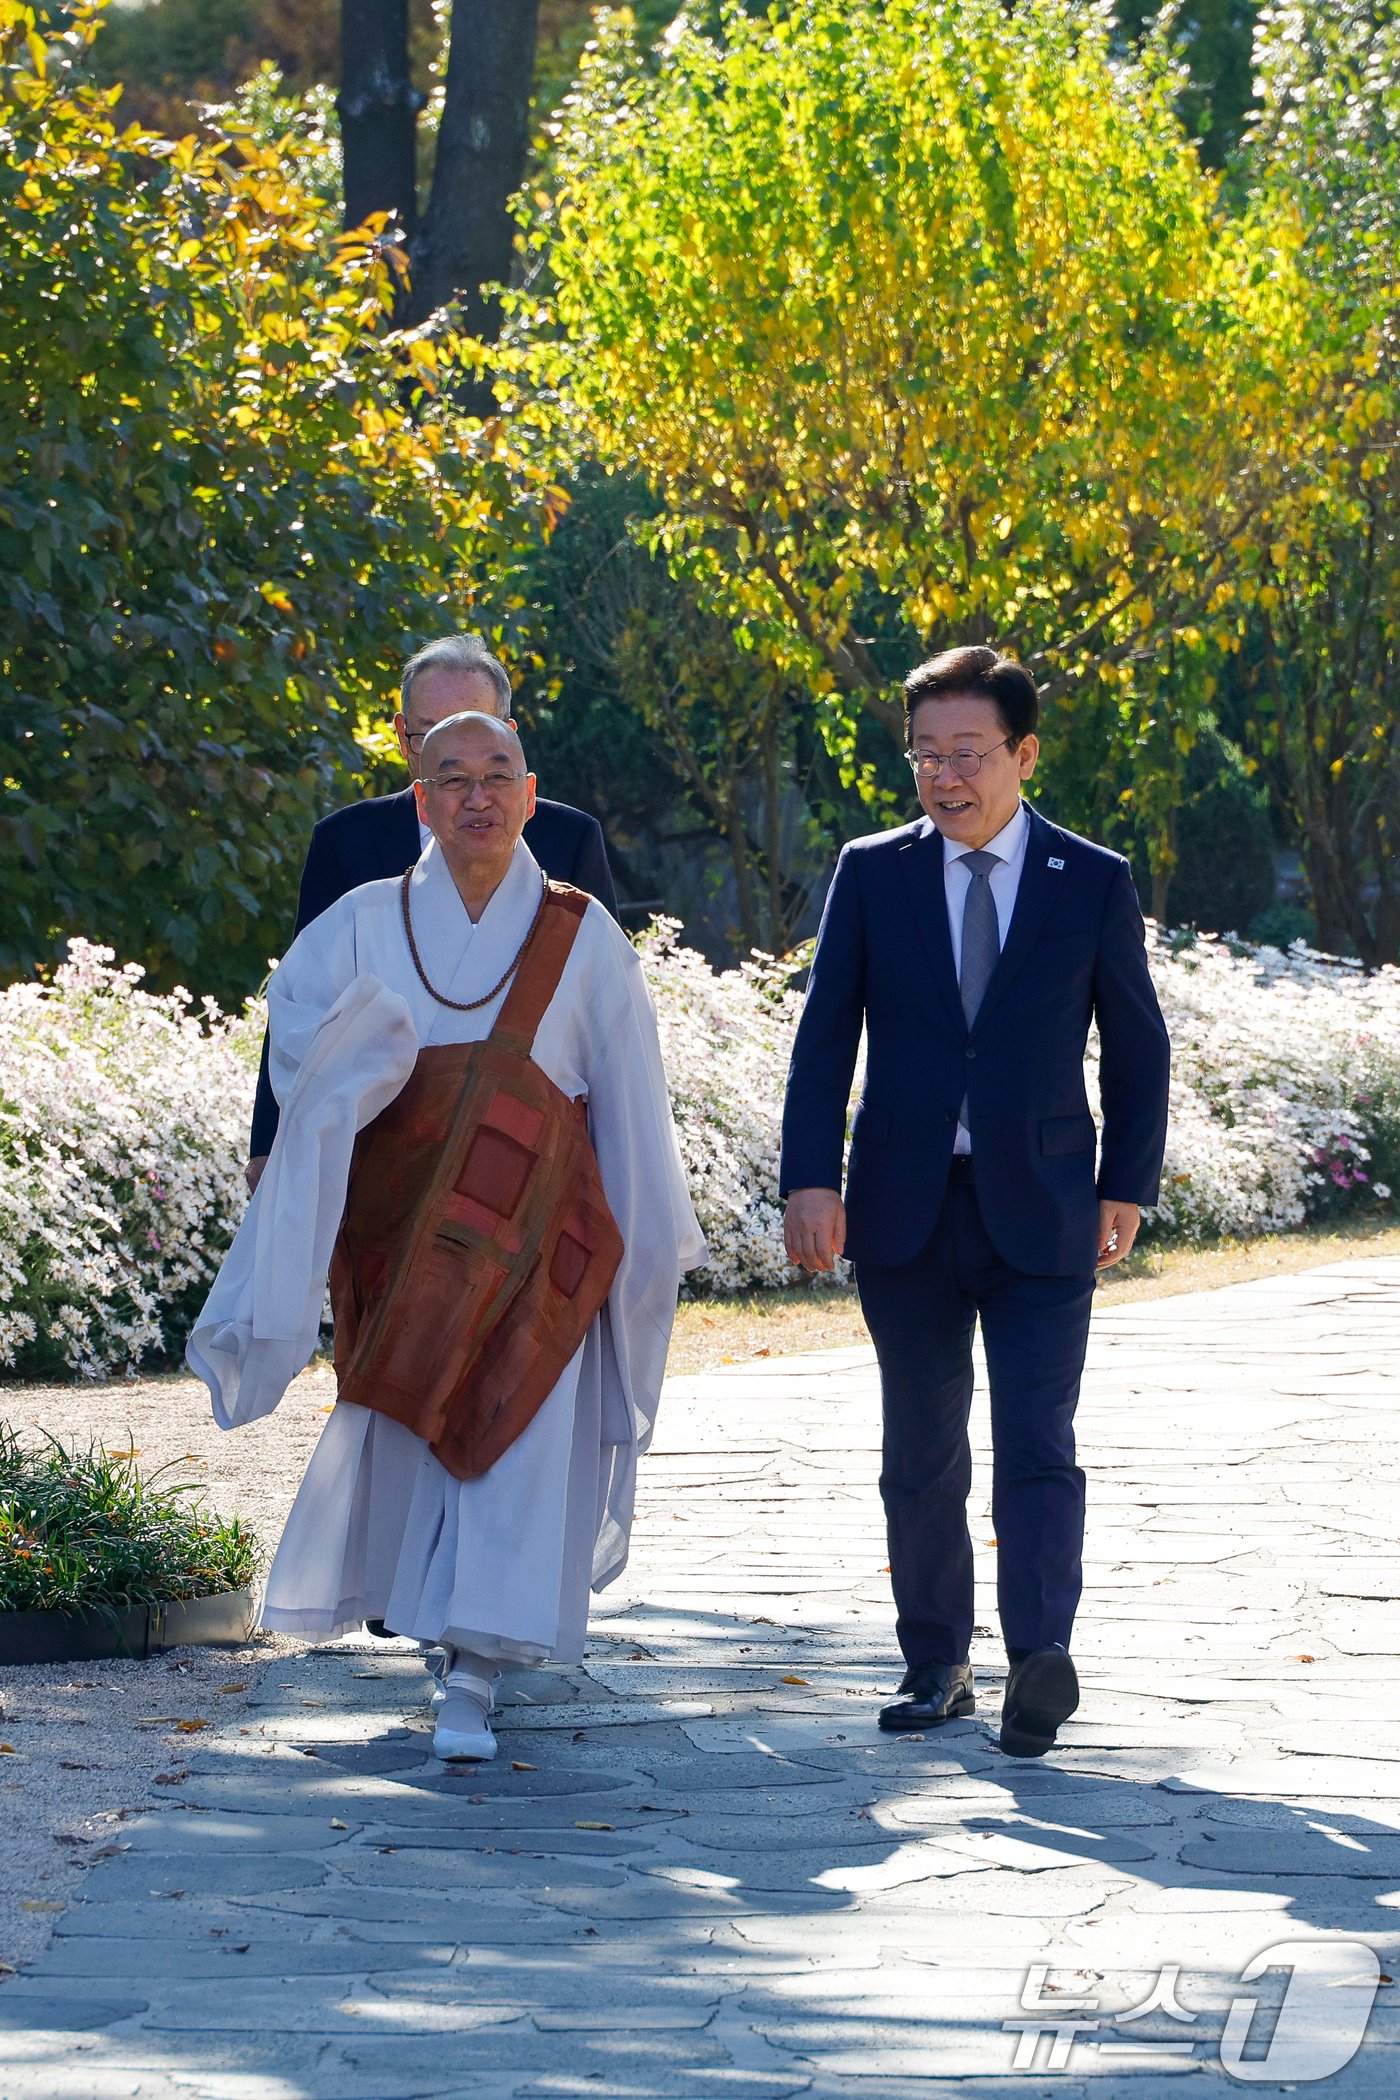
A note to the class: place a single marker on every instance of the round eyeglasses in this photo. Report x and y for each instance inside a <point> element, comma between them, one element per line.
<point>965,764</point>
<point>496,782</point>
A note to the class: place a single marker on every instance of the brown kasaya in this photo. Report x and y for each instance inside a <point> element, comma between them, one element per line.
<point>477,1245</point>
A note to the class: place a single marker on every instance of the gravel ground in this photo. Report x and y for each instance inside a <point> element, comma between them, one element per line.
<point>79,1752</point>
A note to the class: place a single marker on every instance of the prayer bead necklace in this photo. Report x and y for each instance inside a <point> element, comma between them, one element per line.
<point>468,1006</point>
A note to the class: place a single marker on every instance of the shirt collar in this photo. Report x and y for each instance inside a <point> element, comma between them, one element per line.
<point>1008,844</point>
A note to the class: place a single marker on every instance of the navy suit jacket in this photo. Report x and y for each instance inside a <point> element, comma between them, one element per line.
<point>370,840</point>
<point>1074,953</point>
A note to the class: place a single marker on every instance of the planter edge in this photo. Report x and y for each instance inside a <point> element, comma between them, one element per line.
<point>222,1621</point>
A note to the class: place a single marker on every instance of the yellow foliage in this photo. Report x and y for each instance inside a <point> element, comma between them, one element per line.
<point>927,302</point>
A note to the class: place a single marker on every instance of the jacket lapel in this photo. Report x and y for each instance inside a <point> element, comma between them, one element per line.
<point>921,859</point>
<point>1040,888</point>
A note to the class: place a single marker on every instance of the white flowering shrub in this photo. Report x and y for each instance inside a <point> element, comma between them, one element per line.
<point>123,1130</point>
<point>726,1038</point>
<point>124,1120</point>
<point>1285,1086</point>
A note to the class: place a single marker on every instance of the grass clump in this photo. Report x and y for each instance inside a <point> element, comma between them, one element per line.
<point>83,1531</point>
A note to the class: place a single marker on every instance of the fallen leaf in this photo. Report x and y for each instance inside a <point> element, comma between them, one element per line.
<point>6,1969</point>
<point>134,1452</point>
<point>311,1702</point>
<point>170,1778</point>
<point>111,1852</point>
<point>171,1893</point>
<point>367,1676</point>
<point>1305,1658</point>
<point>517,1766</point>
<point>189,1727</point>
<point>38,1903</point>
<point>336,1824</point>
<point>328,1409</point>
<point>763,1352</point>
<point>225,1689</point>
<point>9,1750</point>
<point>242,1948</point>
<point>595,1826</point>
<point>64,1837</point>
<point>797,1680</point>
<point>69,1764</point>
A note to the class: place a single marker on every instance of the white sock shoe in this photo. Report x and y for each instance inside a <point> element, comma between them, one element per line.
<point>463,1731</point>
<point>437,1662</point>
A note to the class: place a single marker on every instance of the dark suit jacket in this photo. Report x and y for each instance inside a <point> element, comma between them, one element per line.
<point>370,840</point>
<point>1074,953</point>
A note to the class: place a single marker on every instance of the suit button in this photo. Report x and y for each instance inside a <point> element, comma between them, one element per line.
<point>972,1053</point>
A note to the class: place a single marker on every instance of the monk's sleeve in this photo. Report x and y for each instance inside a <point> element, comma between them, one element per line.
<point>321,963</point>
<point>342,1046</point>
<point>634,1136</point>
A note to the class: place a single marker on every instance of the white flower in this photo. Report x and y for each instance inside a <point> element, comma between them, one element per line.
<point>124,1120</point>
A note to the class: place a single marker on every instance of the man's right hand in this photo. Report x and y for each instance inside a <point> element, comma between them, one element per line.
<point>253,1172</point>
<point>814,1228</point>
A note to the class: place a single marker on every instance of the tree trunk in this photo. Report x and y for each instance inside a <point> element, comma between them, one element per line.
<point>741,860</point>
<point>468,234</point>
<point>1163,863</point>
<point>378,111</point>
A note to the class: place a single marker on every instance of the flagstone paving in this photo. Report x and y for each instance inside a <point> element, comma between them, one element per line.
<point>698,1868</point>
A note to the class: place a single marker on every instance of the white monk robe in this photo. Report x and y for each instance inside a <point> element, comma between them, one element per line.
<point>500,1565</point>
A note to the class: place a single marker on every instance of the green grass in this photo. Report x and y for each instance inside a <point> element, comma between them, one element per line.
<point>83,1531</point>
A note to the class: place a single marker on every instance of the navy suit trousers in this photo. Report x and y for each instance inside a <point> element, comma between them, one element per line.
<point>1035,1329</point>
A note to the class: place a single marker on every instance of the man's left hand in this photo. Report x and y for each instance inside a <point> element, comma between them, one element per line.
<point>1118,1228</point>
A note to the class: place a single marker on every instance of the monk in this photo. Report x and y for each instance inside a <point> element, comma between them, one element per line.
<point>476,1145</point>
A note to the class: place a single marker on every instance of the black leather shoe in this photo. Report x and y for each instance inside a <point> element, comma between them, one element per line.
<point>937,1692</point>
<point>380,1631</point>
<point>1041,1691</point>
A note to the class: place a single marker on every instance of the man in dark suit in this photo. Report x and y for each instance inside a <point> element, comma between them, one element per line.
<point>383,836</point>
<point>975,947</point>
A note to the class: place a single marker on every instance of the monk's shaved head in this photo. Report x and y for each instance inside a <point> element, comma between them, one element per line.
<point>471,730</point>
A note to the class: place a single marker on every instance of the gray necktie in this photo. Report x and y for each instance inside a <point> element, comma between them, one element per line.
<point>981,940</point>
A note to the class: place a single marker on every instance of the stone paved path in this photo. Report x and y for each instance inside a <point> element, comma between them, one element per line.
<point>698,1868</point>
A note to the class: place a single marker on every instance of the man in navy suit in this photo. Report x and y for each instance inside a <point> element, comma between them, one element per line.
<point>975,947</point>
<point>383,836</point>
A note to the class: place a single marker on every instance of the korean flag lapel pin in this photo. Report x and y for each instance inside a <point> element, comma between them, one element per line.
<point>1053,863</point>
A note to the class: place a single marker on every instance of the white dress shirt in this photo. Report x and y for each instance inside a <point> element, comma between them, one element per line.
<point>1009,845</point>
